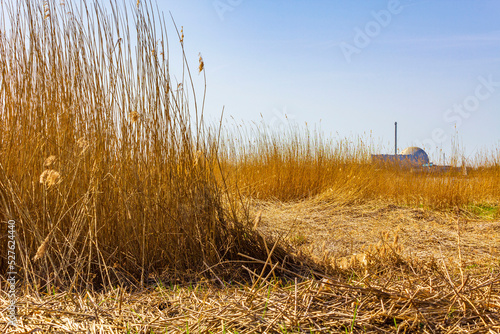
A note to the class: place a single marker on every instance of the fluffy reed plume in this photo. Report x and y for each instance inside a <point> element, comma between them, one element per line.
<point>142,206</point>
<point>49,161</point>
<point>40,253</point>
<point>46,9</point>
<point>145,197</point>
<point>294,163</point>
<point>50,177</point>
<point>83,145</point>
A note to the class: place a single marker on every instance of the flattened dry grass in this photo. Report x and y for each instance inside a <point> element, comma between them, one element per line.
<point>333,233</point>
<point>394,287</point>
<point>413,297</point>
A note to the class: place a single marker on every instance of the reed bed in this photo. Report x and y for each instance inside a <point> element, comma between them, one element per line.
<point>105,163</point>
<point>299,163</point>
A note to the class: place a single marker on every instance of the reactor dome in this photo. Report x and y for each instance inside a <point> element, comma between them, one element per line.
<point>417,154</point>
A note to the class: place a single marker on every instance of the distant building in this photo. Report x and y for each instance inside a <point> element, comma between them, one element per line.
<point>416,160</point>
<point>409,157</point>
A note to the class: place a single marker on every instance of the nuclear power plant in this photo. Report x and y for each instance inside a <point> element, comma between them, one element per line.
<point>413,158</point>
<point>410,157</point>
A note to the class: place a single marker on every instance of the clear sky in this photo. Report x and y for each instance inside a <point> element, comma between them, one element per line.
<point>355,66</point>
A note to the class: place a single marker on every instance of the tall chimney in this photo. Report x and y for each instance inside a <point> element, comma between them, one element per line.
<point>395,138</point>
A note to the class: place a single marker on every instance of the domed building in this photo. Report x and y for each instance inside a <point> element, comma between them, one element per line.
<point>411,157</point>
<point>415,154</point>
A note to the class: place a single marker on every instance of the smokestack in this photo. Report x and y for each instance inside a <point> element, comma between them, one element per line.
<point>395,138</point>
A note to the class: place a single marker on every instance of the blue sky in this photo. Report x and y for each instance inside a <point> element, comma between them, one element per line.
<point>432,66</point>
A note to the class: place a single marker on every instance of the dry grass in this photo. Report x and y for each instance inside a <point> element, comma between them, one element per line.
<point>300,164</point>
<point>117,185</point>
<point>333,231</point>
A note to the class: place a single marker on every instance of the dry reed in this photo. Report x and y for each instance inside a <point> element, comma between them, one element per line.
<point>299,163</point>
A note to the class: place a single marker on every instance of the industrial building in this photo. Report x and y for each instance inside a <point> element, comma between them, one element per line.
<point>409,157</point>
<point>413,158</point>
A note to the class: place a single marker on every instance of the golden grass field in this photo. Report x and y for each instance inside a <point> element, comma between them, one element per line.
<point>135,216</point>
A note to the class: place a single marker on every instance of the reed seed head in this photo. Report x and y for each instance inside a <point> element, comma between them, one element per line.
<point>202,65</point>
<point>49,161</point>
<point>82,144</point>
<point>40,253</point>
<point>134,116</point>
<point>50,177</point>
<point>46,9</point>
